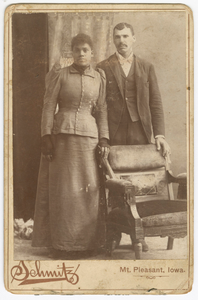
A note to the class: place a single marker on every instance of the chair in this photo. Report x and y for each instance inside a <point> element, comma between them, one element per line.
<point>141,198</point>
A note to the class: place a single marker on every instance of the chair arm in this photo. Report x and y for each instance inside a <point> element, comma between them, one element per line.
<point>108,168</point>
<point>120,186</point>
<point>180,179</point>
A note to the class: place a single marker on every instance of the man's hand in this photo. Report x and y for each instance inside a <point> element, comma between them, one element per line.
<point>161,143</point>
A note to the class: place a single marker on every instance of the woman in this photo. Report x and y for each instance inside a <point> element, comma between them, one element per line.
<point>67,204</point>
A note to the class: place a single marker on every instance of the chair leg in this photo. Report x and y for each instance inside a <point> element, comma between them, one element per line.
<point>170,243</point>
<point>117,238</point>
<point>145,247</point>
<point>109,244</point>
<point>113,238</point>
<point>138,249</point>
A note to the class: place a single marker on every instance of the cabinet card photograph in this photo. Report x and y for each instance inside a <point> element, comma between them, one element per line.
<point>98,107</point>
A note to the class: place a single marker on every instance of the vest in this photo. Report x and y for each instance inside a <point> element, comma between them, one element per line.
<point>130,95</point>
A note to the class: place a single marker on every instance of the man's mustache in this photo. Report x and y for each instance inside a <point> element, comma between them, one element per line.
<point>122,45</point>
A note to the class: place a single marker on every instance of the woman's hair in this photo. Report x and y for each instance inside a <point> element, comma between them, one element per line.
<point>81,38</point>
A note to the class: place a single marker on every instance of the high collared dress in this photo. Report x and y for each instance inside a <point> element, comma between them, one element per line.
<point>67,201</point>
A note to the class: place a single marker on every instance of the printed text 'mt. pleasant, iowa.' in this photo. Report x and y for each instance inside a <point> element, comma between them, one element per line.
<point>144,270</point>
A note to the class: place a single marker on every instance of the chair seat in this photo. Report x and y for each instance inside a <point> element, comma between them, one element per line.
<point>152,213</point>
<point>160,207</point>
<point>165,219</point>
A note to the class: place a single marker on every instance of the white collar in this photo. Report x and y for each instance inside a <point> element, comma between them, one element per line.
<point>123,60</point>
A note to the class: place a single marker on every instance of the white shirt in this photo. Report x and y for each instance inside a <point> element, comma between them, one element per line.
<point>125,62</point>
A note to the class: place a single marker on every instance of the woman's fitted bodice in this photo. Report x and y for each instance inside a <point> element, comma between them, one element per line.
<point>81,99</point>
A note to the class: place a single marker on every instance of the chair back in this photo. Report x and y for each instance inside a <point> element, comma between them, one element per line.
<point>135,158</point>
<point>144,166</point>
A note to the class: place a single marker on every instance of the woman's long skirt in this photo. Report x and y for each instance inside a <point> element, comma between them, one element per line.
<point>67,202</point>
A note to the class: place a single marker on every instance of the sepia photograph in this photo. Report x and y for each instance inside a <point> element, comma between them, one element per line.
<point>99,148</point>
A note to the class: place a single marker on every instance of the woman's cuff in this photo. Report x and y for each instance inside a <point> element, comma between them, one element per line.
<point>103,142</point>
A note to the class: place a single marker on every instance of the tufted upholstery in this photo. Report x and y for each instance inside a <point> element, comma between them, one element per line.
<point>135,158</point>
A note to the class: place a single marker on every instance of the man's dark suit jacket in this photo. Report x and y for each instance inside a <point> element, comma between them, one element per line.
<point>149,102</point>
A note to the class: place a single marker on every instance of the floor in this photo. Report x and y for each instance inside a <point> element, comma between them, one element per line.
<point>157,250</point>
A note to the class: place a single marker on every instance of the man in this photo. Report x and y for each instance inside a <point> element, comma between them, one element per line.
<point>134,103</point>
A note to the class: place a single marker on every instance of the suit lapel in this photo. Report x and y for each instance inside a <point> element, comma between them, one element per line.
<point>137,77</point>
<point>115,68</point>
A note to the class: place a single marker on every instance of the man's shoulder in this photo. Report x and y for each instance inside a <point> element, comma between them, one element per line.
<point>142,61</point>
<point>105,63</point>
<point>143,65</point>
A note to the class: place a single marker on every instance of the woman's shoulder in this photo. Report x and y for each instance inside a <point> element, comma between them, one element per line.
<point>57,67</point>
<point>101,73</point>
<point>57,71</point>
<point>55,74</point>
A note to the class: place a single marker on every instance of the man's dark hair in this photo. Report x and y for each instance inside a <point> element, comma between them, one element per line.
<point>81,38</point>
<point>121,26</point>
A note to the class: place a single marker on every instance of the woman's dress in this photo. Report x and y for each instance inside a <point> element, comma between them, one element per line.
<point>67,201</point>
